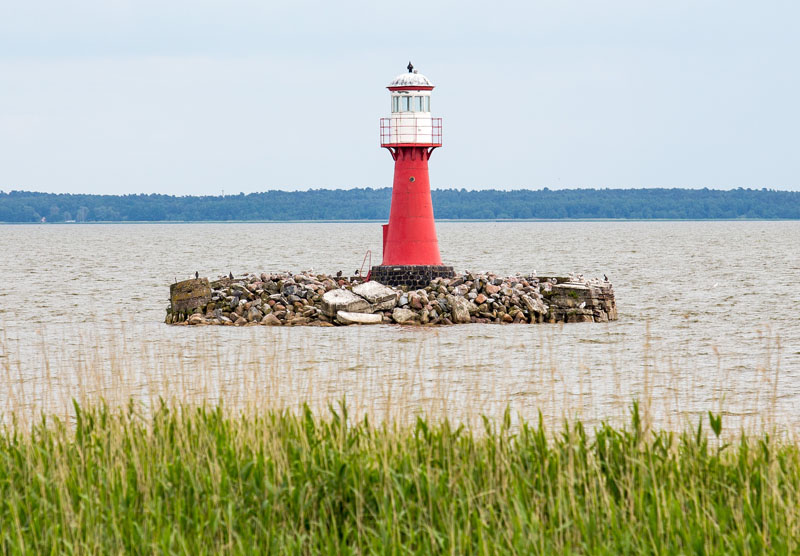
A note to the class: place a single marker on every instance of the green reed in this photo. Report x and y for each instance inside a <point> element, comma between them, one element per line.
<point>205,480</point>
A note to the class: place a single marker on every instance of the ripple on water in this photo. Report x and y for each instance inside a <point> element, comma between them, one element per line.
<point>92,319</point>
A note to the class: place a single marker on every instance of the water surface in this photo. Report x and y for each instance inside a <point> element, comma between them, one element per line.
<point>708,319</point>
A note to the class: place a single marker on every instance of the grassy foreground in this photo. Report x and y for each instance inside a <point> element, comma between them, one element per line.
<point>206,481</point>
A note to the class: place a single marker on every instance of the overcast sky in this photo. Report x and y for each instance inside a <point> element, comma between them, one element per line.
<point>115,96</point>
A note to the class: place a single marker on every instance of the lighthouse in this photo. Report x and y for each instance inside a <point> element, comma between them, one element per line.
<point>410,248</point>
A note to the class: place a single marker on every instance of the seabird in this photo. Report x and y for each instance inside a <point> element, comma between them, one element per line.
<point>196,275</point>
<point>582,305</point>
<point>230,275</point>
<point>605,277</point>
<point>339,274</point>
<point>410,67</point>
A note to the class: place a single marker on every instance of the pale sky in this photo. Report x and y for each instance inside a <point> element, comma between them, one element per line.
<point>178,97</point>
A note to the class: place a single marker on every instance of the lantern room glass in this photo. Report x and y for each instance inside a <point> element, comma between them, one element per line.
<point>416,103</point>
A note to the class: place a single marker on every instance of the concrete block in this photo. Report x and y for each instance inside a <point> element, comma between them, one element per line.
<point>343,300</point>
<point>189,295</point>
<point>345,317</point>
<point>381,297</point>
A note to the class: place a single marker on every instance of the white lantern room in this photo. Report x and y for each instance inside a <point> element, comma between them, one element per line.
<point>410,122</point>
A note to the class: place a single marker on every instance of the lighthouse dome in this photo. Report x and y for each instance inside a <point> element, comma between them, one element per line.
<point>410,79</point>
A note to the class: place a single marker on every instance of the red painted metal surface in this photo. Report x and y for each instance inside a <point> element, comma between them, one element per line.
<point>410,236</point>
<point>407,128</point>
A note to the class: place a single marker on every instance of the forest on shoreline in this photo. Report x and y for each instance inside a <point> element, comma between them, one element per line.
<point>373,204</point>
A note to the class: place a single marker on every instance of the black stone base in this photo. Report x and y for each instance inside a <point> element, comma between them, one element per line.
<point>413,276</point>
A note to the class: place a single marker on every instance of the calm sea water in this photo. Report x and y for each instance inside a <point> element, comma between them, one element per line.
<point>709,319</point>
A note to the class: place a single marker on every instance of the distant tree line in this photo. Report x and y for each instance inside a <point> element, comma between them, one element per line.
<point>373,204</point>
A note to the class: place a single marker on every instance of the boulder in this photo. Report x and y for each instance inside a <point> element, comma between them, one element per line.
<point>271,320</point>
<point>403,316</point>
<point>382,298</point>
<point>344,300</point>
<point>536,306</point>
<point>491,289</point>
<point>345,317</point>
<point>196,318</point>
<point>459,307</point>
<point>461,290</point>
<point>253,314</point>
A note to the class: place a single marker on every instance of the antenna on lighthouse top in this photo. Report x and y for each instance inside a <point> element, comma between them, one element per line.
<point>410,67</point>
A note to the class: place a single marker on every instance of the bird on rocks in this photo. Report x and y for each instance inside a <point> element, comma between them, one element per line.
<point>196,275</point>
<point>339,274</point>
<point>605,277</point>
<point>230,275</point>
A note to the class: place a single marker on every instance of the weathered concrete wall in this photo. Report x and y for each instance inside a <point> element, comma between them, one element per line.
<point>186,296</point>
<point>317,300</point>
<point>575,301</point>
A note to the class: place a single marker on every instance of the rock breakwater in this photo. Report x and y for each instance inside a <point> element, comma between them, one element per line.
<point>307,299</point>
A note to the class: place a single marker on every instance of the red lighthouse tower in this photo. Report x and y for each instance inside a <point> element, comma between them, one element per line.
<point>410,248</point>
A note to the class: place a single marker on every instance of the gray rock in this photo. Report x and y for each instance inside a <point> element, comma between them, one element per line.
<point>381,297</point>
<point>345,317</point>
<point>271,320</point>
<point>461,290</point>
<point>196,318</point>
<point>534,306</point>
<point>424,316</point>
<point>403,316</point>
<point>459,307</point>
<point>344,300</point>
<point>291,289</point>
<point>253,314</point>
<point>374,292</point>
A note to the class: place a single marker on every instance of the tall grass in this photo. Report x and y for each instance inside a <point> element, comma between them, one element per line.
<point>394,375</point>
<point>181,479</point>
